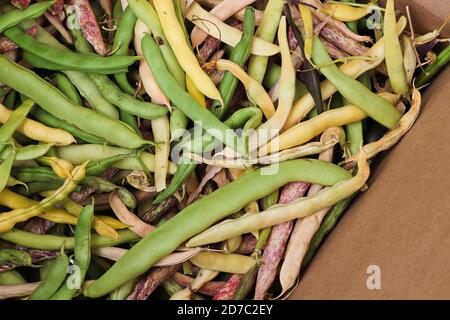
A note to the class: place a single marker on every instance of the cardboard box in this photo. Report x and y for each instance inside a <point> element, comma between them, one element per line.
<point>402,222</point>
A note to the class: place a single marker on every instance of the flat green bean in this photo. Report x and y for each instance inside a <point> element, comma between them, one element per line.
<point>15,257</point>
<point>66,59</point>
<point>5,169</point>
<point>53,242</point>
<point>17,16</point>
<point>29,152</point>
<point>197,217</point>
<point>431,70</point>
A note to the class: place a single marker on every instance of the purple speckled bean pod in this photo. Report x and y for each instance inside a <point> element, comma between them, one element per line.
<point>229,289</point>
<point>276,243</point>
<point>89,25</point>
<point>146,285</point>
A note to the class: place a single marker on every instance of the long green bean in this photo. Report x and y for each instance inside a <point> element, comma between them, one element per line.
<point>66,59</point>
<point>53,242</point>
<point>193,219</point>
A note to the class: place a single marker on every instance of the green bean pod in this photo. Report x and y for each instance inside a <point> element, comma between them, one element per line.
<point>29,152</point>
<point>375,106</point>
<point>82,253</point>
<point>16,16</point>
<point>54,242</point>
<point>69,60</point>
<point>64,84</point>
<point>55,278</point>
<point>266,203</point>
<point>54,102</point>
<point>239,54</point>
<point>184,101</point>
<point>197,217</point>
<point>51,121</point>
<point>10,99</point>
<point>122,39</point>
<point>5,169</point>
<point>126,102</point>
<point>11,277</point>
<point>96,168</point>
<point>37,187</point>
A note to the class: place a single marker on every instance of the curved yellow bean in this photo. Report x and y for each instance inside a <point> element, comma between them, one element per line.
<point>352,69</point>
<point>37,131</point>
<point>305,131</point>
<point>255,91</point>
<point>224,262</point>
<point>181,49</point>
<point>195,92</point>
<point>299,208</point>
<point>225,33</point>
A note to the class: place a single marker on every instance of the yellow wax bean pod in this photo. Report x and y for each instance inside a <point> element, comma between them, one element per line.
<point>37,131</point>
<point>184,54</point>
<point>306,14</point>
<point>13,200</point>
<point>227,34</point>
<point>344,12</point>
<point>61,167</point>
<point>195,92</point>
<point>9,219</point>
<point>305,131</point>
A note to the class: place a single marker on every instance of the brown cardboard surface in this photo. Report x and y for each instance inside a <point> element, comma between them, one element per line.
<point>402,222</point>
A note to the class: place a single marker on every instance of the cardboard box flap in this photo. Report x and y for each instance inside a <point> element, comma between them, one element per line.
<point>401,224</point>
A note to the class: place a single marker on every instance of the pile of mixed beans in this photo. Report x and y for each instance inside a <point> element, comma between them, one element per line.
<point>173,149</point>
